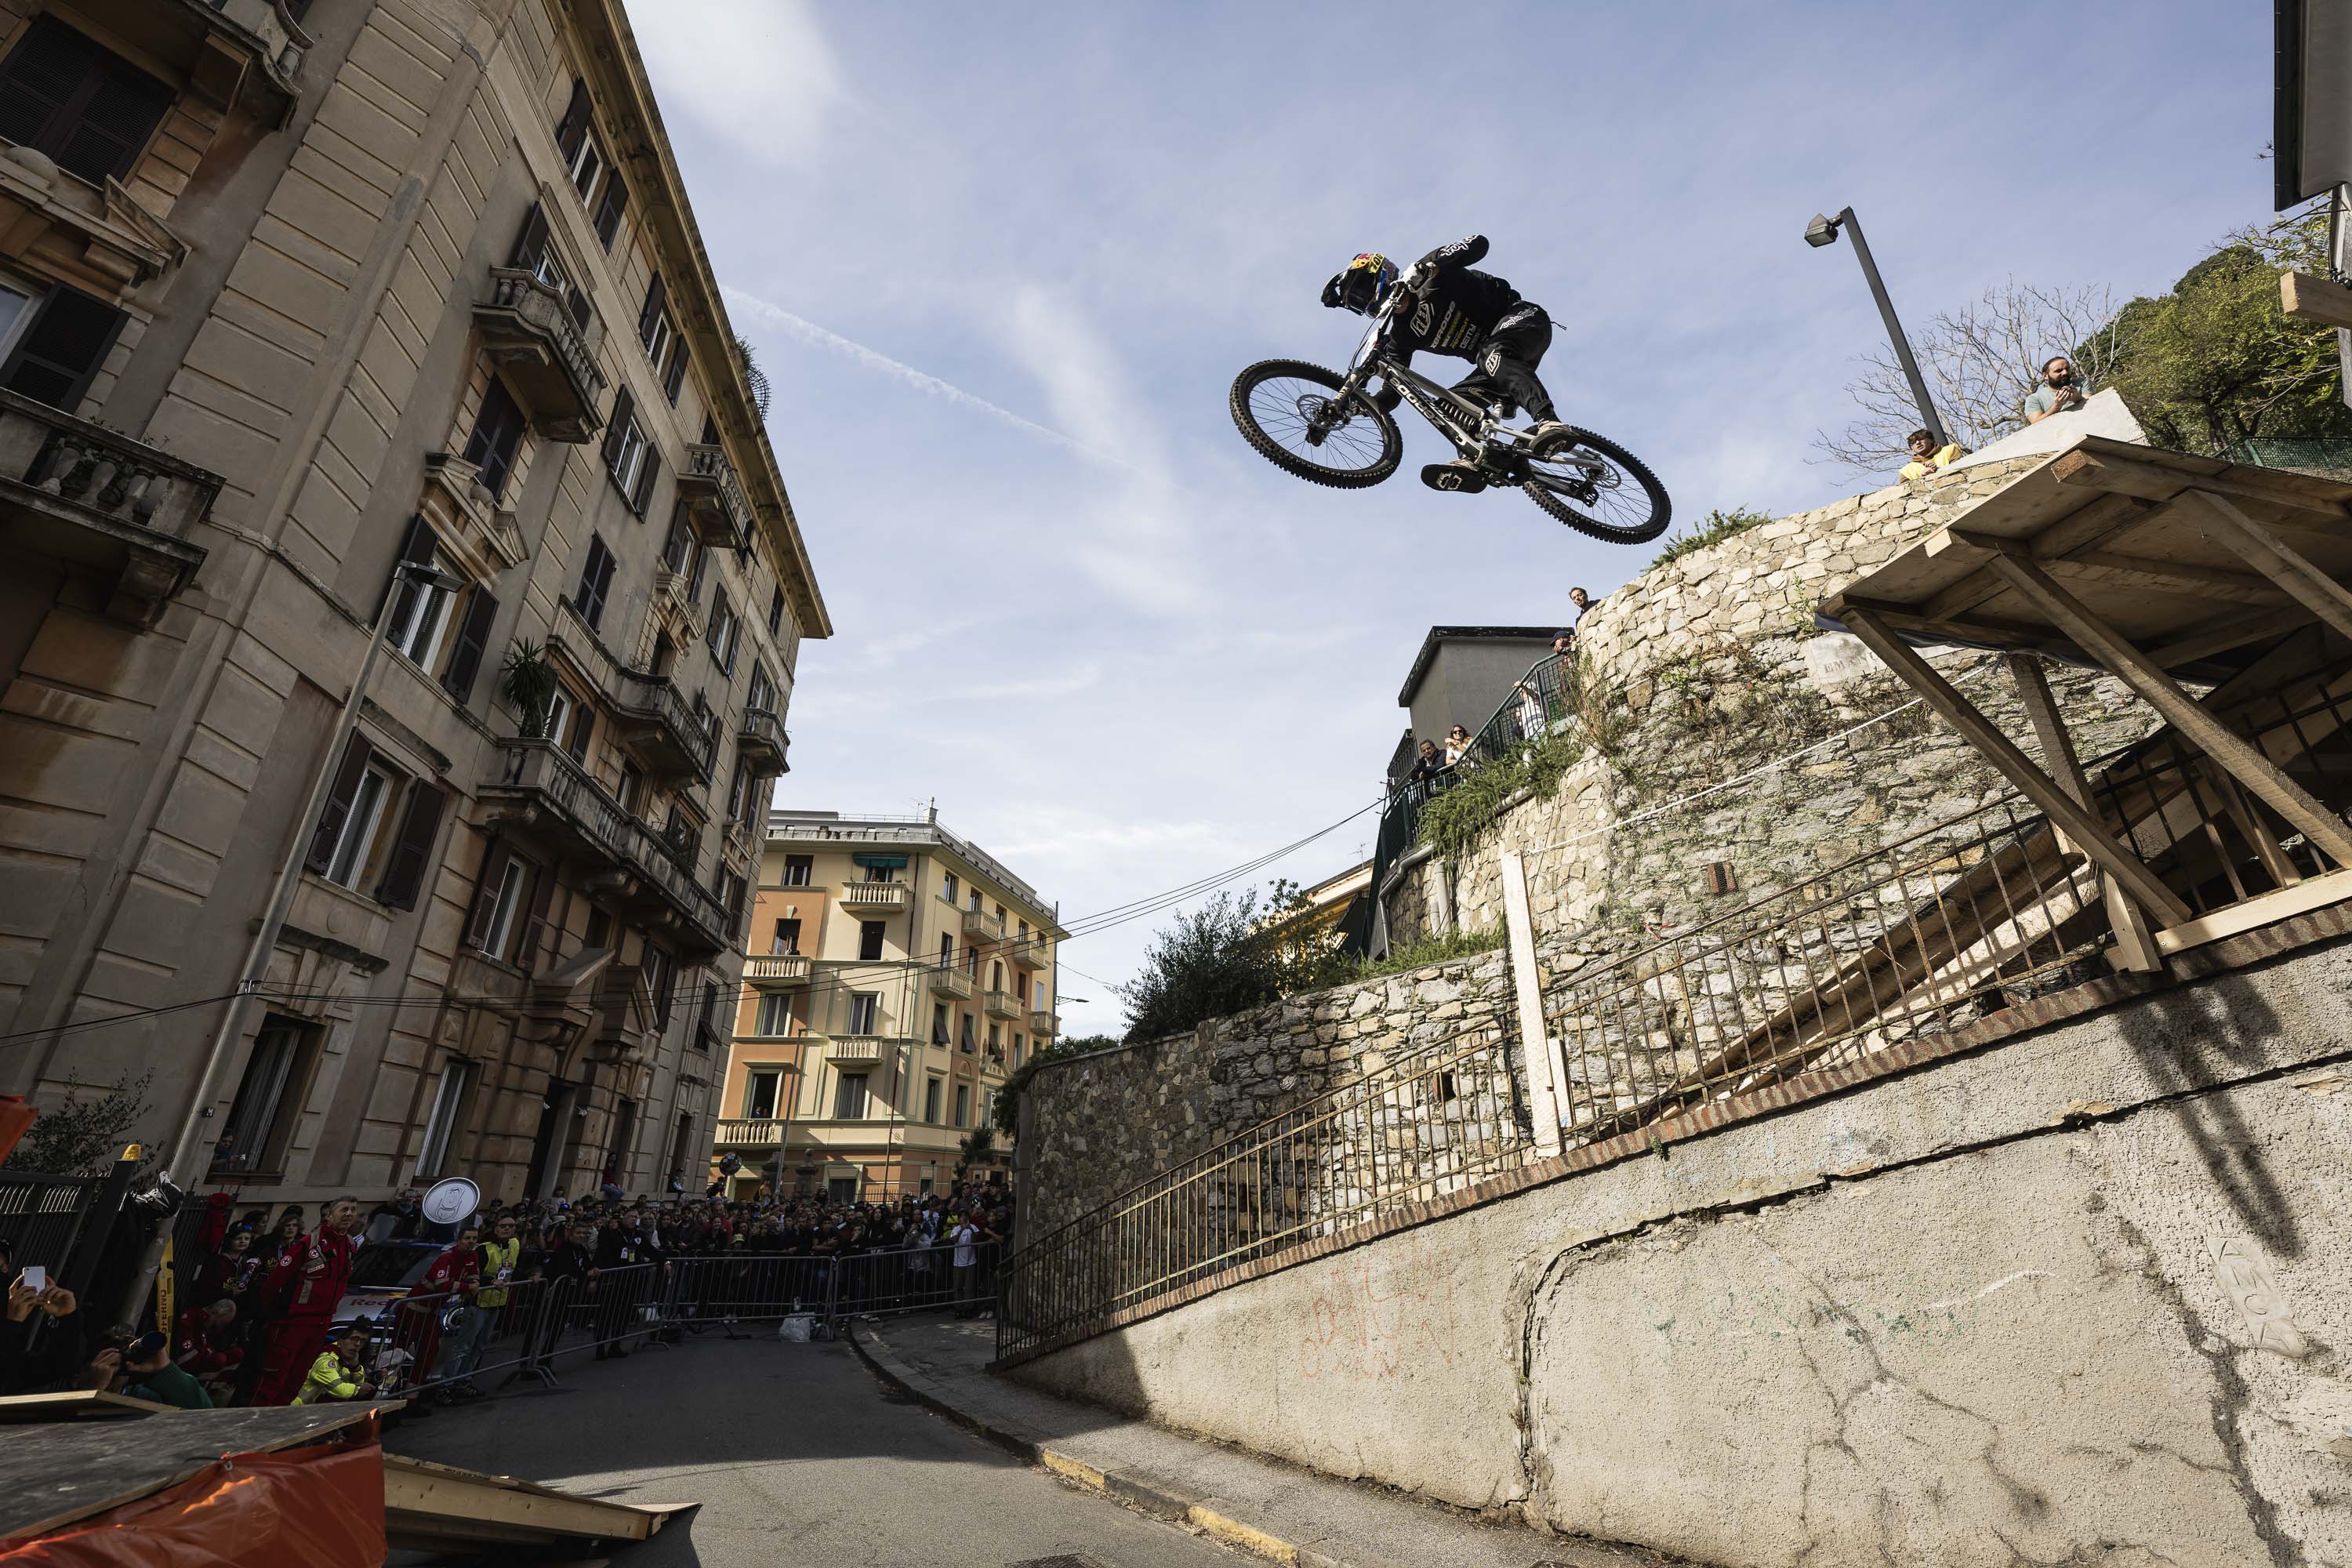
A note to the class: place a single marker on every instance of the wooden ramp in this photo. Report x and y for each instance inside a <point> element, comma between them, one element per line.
<point>439,1508</point>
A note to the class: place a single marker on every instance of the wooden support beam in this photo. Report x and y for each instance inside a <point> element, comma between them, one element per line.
<point>2103,519</point>
<point>1982,629</point>
<point>2179,710</point>
<point>2087,831</point>
<point>2309,586</point>
<point>2134,947</point>
<point>2222,634</point>
<point>2121,475</point>
<point>2321,300</point>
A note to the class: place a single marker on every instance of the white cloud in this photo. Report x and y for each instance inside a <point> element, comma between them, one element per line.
<point>757,74</point>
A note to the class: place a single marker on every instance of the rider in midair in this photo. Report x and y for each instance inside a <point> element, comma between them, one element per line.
<point>1465,313</point>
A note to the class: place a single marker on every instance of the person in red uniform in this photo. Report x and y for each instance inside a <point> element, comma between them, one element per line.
<point>452,1280</point>
<point>205,1344</point>
<point>305,1286</point>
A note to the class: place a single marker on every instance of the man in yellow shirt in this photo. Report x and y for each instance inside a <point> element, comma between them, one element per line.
<point>1926,457</point>
<point>342,1372</point>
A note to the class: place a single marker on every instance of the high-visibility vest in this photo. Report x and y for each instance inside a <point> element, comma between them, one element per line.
<point>495,1256</point>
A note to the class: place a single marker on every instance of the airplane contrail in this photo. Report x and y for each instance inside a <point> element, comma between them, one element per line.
<point>808,332</point>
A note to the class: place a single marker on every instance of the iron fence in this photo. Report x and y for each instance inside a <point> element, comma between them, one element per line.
<point>41,1216</point>
<point>1434,1124</point>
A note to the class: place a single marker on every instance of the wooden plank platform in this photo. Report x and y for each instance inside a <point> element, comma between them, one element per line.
<point>53,1475</point>
<point>439,1508</point>
<point>78,1405</point>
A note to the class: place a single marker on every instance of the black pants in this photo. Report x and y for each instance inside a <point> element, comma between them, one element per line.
<point>1508,359</point>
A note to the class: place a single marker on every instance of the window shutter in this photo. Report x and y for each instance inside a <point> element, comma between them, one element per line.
<point>121,112</point>
<point>578,303</point>
<point>48,66</point>
<point>417,544</point>
<point>338,806</point>
<point>532,242</point>
<point>584,725</point>
<point>608,211</point>
<point>694,583</point>
<point>617,430</point>
<point>651,312</point>
<point>485,894</point>
<point>595,581</point>
<point>575,125</point>
<point>645,494</point>
<point>775,611</point>
<point>59,356</point>
<point>542,895</point>
<point>677,377</point>
<point>66,95</point>
<point>411,850</point>
<point>472,637</point>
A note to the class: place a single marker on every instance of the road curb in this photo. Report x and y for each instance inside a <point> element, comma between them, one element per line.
<point>1149,1496</point>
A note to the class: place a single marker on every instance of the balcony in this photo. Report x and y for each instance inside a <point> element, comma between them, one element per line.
<point>760,741</point>
<point>879,896</point>
<point>674,606</point>
<point>860,1050</point>
<point>543,795</point>
<point>777,970</point>
<point>983,926</point>
<point>947,980</point>
<point>1044,1024</point>
<point>1003,1004</point>
<point>537,347</point>
<point>747,1133</point>
<point>714,500</point>
<point>651,715</point>
<point>116,509</point>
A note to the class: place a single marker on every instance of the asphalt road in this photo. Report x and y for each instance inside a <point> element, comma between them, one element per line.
<point>798,1455</point>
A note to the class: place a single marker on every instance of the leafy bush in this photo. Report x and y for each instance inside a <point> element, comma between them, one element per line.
<point>1713,529</point>
<point>1434,949</point>
<point>1213,962</point>
<point>1452,821</point>
<point>81,1134</point>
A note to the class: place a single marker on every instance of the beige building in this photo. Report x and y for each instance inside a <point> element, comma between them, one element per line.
<point>897,975</point>
<point>291,295</point>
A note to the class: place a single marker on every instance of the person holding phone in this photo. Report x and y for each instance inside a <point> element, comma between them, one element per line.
<point>41,1345</point>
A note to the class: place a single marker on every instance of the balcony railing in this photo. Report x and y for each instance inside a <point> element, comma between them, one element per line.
<point>873,895</point>
<point>747,1133</point>
<point>714,499</point>
<point>777,969</point>
<point>1044,1024</point>
<point>1003,1004</point>
<point>760,741</point>
<point>986,927</point>
<point>949,981</point>
<point>859,1048</point>
<point>552,796</point>
<point>79,493</point>
<point>530,336</point>
<point>652,715</point>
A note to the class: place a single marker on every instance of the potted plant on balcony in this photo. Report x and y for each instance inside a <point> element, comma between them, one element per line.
<point>528,683</point>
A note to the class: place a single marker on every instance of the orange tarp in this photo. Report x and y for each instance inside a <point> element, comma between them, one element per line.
<point>321,1507</point>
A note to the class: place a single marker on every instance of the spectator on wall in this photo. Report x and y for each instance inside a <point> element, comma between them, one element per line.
<point>1926,457</point>
<point>1581,600</point>
<point>1457,744</point>
<point>2059,392</point>
<point>1428,770</point>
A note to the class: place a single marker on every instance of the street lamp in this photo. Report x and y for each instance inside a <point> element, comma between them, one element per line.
<point>183,1168</point>
<point>1823,231</point>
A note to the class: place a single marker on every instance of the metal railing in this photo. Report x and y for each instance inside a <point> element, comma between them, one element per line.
<point>713,492</point>
<point>1413,1132</point>
<point>41,1216</point>
<point>643,699</point>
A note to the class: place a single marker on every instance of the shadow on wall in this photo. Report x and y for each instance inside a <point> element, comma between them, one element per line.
<point>2207,1034</point>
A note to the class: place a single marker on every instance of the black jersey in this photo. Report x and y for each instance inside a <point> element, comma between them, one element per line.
<point>1460,308</point>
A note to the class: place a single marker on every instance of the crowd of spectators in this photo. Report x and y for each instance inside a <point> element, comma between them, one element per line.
<point>2058,390</point>
<point>261,1327</point>
<point>1534,703</point>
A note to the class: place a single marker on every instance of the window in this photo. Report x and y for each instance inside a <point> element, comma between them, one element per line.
<point>841,1190</point>
<point>262,1114</point>
<point>1017,1050</point>
<point>974,905</point>
<point>775,610</point>
<point>661,975</point>
<point>787,938</point>
<point>865,1008</point>
<point>759,1094</point>
<point>939,1022</point>
<point>947,950</point>
<point>762,693</point>
<point>498,435</point>
<point>869,940</point>
<point>62,348</point>
<point>849,1097</point>
<point>442,1120</point>
<point>674,379</point>
<point>948,887</point>
<point>725,631</point>
<point>931,1088</point>
<point>633,786</point>
<point>654,331</point>
<point>629,455</point>
<point>357,842</point>
<point>739,795</point>
<point>587,166</point>
<point>964,1040</point>
<point>677,546</point>
<point>987,1105</point>
<point>600,930</point>
<point>64,94</point>
<point>608,211</point>
<point>731,889</point>
<point>498,905</point>
<point>775,1013</point>
<point>964,1105</point>
<point>797,869</point>
<point>596,583</point>
<point>996,1039</point>
<point>875,874</point>
<point>350,844</point>
<point>995,976</point>
<point>694,580</point>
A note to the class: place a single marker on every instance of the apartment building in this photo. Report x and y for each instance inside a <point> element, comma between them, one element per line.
<point>897,975</point>
<point>318,320</point>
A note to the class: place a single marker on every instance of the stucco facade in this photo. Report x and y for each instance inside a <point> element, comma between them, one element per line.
<point>898,974</point>
<point>387,281</point>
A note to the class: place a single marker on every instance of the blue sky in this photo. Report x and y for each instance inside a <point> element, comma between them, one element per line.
<point>1002,263</point>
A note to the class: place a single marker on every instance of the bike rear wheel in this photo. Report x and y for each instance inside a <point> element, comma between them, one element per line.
<point>1597,487</point>
<point>1283,409</point>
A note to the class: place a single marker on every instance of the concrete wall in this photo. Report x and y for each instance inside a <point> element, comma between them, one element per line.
<point>2075,1297</point>
<point>1467,680</point>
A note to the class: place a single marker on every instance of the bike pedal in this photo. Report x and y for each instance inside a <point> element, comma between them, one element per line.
<point>1451,479</point>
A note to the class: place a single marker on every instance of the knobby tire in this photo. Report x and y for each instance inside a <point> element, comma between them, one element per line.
<point>1289,462</point>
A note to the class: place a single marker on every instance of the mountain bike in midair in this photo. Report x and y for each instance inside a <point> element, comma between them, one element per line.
<point>1328,427</point>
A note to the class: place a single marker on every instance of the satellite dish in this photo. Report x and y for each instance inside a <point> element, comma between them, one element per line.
<point>451,1202</point>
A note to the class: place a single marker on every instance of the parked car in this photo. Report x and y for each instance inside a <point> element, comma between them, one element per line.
<point>381,1275</point>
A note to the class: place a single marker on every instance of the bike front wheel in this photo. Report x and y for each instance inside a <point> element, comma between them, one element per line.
<point>1597,487</point>
<point>1285,409</point>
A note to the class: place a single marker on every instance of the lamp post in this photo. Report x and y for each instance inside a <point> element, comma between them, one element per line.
<point>1824,231</point>
<point>183,1169</point>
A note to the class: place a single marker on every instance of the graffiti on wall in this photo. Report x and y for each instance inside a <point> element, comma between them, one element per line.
<point>1372,1316</point>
